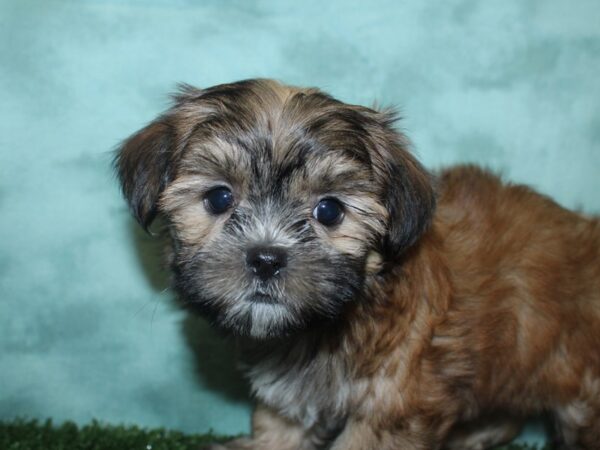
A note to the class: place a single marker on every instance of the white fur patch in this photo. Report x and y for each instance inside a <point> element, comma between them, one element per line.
<point>266,317</point>
<point>306,393</point>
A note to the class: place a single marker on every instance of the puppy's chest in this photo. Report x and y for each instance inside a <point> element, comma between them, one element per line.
<point>307,393</point>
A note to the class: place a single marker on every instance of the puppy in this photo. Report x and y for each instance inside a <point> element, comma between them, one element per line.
<point>368,317</point>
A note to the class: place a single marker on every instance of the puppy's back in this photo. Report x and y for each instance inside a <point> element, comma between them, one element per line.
<point>526,274</point>
<point>510,227</point>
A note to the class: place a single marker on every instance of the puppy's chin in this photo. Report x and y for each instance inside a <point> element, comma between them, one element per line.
<point>259,318</point>
<point>269,320</point>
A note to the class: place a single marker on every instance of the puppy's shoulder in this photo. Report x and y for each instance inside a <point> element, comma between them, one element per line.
<point>467,182</point>
<point>474,191</point>
<point>466,194</point>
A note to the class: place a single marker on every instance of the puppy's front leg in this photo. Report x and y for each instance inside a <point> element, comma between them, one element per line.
<point>270,431</point>
<point>368,435</point>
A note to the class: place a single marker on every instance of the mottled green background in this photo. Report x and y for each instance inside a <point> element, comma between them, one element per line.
<point>87,327</point>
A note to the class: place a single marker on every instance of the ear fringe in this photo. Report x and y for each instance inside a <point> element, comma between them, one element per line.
<point>410,194</point>
<point>143,164</point>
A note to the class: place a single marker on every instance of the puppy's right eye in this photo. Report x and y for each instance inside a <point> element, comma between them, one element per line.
<point>218,200</point>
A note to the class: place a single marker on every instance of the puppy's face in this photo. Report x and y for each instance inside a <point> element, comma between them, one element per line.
<point>281,201</point>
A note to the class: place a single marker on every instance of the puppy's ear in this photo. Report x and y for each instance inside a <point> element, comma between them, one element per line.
<point>145,164</point>
<point>408,190</point>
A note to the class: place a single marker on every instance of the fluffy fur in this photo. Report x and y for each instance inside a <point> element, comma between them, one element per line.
<point>406,325</point>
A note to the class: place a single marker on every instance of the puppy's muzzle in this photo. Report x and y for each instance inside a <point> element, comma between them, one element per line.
<point>266,262</point>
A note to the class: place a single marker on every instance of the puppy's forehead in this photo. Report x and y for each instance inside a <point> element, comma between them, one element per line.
<point>273,133</point>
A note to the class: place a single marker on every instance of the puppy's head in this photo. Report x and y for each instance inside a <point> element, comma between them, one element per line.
<point>281,201</point>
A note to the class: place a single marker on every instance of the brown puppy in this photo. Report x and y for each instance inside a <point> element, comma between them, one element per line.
<point>370,319</point>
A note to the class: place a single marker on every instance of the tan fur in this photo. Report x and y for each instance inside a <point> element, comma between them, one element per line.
<point>493,310</point>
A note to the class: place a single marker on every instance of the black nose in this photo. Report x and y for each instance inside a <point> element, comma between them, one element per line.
<point>266,262</point>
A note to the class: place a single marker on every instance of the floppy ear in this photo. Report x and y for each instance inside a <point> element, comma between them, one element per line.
<point>145,165</point>
<point>409,194</point>
<point>145,162</point>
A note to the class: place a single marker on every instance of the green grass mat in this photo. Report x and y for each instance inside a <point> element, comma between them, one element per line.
<point>34,435</point>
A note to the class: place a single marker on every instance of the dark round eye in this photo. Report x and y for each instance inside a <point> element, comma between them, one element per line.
<point>329,212</point>
<point>218,200</point>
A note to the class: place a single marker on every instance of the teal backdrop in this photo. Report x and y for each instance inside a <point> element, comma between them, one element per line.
<point>88,327</point>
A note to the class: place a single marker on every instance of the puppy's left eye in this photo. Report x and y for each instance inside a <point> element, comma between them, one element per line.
<point>329,212</point>
<point>218,200</point>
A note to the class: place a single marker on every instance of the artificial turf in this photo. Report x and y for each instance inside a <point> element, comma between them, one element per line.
<point>34,435</point>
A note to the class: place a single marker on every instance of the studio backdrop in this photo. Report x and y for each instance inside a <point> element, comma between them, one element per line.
<point>88,326</point>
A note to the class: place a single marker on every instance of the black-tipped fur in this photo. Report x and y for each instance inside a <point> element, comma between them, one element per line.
<point>144,165</point>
